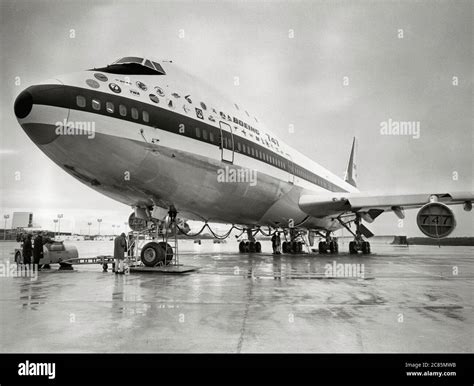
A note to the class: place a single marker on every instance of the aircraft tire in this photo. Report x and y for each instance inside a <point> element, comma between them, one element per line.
<point>352,249</point>
<point>153,253</point>
<point>322,249</point>
<point>365,247</point>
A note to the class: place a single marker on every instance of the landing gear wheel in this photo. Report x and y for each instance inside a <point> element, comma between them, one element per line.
<point>299,247</point>
<point>154,253</point>
<point>333,247</point>
<point>322,247</point>
<point>242,247</point>
<point>365,247</point>
<point>352,248</point>
<point>258,247</point>
<point>252,247</point>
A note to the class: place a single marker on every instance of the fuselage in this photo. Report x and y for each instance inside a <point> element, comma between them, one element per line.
<point>168,139</point>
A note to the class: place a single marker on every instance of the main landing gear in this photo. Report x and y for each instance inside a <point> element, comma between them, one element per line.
<point>329,245</point>
<point>250,245</point>
<point>295,245</point>
<point>359,244</point>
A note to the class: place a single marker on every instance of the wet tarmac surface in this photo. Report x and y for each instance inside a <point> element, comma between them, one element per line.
<point>399,299</point>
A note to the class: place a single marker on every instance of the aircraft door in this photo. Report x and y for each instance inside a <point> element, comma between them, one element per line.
<point>290,168</point>
<point>227,142</point>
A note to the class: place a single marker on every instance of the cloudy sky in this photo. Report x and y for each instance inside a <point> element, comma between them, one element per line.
<point>332,69</point>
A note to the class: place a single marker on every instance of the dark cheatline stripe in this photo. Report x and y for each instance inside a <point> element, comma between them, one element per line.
<point>170,121</point>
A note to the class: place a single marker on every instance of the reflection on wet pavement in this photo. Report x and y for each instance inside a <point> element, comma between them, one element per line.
<point>395,300</point>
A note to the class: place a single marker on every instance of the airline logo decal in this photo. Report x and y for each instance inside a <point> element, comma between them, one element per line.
<point>160,91</point>
<point>101,77</point>
<point>141,86</point>
<point>199,113</point>
<point>115,88</point>
<point>92,83</point>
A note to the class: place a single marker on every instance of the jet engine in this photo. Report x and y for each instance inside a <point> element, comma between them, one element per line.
<point>436,220</point>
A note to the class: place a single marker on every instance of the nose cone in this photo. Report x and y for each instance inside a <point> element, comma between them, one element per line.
<point>23,104</point>
<point>39,108</point>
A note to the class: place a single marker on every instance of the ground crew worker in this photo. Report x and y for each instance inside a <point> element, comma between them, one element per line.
<point>276,242</point>
<point>120,246</point>
<point>38,250</point>
<point>27,250</point>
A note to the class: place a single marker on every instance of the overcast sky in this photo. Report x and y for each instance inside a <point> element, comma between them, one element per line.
<point>291,59</point>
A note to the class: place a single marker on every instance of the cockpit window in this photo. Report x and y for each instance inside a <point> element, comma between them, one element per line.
<point>159,68</point>
<point>133,65</point>
<point>148,64</point>
<point>129,59</point>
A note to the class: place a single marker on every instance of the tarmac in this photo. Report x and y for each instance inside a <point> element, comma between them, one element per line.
<point>398,299</point>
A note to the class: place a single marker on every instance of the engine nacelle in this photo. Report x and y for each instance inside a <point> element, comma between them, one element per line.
<point>436,220</point>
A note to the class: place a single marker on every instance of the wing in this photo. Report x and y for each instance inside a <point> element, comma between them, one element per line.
<point>321,206</point>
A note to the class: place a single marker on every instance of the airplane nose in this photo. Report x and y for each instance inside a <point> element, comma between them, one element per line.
<point>23,104</point>
<point>39,108</point>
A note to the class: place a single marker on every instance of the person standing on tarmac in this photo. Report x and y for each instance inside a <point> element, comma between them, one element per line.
<point>38,250</point>
<point>120,246</point>
<point>27,250</point>
<point>276,243</point>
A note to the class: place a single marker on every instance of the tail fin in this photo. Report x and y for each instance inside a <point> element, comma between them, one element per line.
<point>351,172</point>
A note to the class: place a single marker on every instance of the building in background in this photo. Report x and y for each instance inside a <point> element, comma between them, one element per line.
<point>22,220</point>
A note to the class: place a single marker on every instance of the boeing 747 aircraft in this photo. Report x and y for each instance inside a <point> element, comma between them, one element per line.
<point>150,135</point>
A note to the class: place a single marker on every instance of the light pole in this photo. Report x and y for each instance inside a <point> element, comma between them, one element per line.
<point>89,223</point>
<point>60,216</point>
<point>6,217</point>
<point>99,220</point>
<point>55,226</point>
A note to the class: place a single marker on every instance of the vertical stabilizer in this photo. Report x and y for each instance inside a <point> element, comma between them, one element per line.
<point>351,172</point>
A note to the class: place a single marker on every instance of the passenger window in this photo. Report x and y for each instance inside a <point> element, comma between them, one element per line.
<point>211,137</point>
<point>122,110</point>
<point>239,148</point>
<point>198,132</point>
<point>109,106</point>
<point>95,104</point>
<point>146,116</point>
<point>134,112</point>
<point>253,152</point>
<point>204,134</point>
<point>81,101</point>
